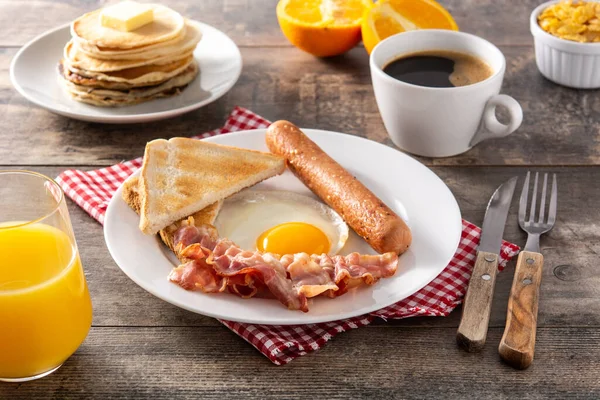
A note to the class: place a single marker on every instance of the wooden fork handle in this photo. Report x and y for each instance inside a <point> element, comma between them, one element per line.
<point>473,327</point>
<point>518,342</point>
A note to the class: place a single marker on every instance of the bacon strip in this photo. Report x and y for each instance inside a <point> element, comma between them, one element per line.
<point>205,235</point>
<point>310,276</point>
<point>214,265</point>
<point>334,276</point>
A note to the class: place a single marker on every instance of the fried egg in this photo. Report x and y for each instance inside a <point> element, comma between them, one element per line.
<point>281,222</point>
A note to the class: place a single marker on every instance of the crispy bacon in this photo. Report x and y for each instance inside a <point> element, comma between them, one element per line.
<point>205,235</point>
<point>272,275</point>
<point>310,277</point>
<point>238,270</point>
<point>215,265</point>
<point>334,276</point>
<point>198,275</point>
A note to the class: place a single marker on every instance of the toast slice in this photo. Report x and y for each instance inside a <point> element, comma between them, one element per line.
<point>131,194</point>
<point>181,176</point>
<point>205,216</point>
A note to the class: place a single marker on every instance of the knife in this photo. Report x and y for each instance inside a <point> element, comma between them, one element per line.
<point>473,327</point>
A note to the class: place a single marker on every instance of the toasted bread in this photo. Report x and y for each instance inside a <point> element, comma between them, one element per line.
<point>205,216</point>
<point>131,194</point>
<point>181,176</point>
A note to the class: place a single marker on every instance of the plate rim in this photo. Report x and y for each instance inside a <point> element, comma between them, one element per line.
<point>311,319</point>
<point>118,119</point>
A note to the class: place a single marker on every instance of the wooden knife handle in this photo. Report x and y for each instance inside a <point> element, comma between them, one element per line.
<point>473,327</point>
<point>518,342</point>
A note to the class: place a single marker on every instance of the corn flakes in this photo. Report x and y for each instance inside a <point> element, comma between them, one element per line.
<point>578,21</point>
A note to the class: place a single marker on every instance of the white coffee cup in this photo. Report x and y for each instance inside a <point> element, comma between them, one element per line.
<point>441,122</point>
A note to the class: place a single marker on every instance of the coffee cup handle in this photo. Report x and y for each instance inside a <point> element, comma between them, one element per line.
<point>494,128</point>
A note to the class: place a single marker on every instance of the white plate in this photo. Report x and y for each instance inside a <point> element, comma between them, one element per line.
<point>408,187</point>
<point>34,73</point>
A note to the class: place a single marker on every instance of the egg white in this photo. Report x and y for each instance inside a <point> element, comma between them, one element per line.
<point>246,215</point>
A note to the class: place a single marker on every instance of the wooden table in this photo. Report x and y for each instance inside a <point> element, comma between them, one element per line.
<point>142,347</point>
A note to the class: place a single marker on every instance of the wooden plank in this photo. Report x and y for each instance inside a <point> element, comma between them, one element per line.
<point>253,22</point>
<point>247,22</point>
<point>570,283</point>
<point>213,363</point>
<point>561,126</point>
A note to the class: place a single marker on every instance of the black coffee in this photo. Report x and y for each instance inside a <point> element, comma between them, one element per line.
<point>438,68</point>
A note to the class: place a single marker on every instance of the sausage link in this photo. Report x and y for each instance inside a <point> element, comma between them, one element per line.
<point>361,209</point>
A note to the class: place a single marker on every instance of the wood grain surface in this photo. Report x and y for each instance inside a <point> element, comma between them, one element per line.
<point>399,363</point>
<point>560,127</point>
<point>141,347</point>
<point>253,22</point>
<point>517,346</point>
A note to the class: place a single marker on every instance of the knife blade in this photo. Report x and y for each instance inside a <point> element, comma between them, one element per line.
<point>492,228</point>
<point>473,327</point>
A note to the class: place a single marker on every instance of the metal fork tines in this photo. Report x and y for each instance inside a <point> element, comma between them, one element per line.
<point>542,225</point>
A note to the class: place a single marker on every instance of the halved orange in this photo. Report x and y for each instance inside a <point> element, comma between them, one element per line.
<point>322,27</point>
<point>389,17</point>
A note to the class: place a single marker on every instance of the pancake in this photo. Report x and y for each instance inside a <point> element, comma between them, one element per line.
<point>167,25</point>
<point>105,102</point>
<point>109,68</point>
<point>144,75</point>
<point>78,59</point>
<point>118,98</point>
<point>180,44</point>
<point>80,80</point>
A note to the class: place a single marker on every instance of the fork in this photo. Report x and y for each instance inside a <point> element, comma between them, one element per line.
<point>518,342</point>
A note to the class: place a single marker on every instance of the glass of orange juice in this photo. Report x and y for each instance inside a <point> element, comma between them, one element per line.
<point>45,306</point>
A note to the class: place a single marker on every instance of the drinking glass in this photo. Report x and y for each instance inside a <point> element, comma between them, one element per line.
<point>45,306</point>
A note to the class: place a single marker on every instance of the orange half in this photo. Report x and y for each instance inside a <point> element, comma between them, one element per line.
<point>322,27</point>
<point>389,17</point>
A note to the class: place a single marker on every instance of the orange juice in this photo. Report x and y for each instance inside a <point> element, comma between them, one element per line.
<point>45,306</point>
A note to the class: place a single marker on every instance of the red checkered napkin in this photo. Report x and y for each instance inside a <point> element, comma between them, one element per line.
<point>92,190</point>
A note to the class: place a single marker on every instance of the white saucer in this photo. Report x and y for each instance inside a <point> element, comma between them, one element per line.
<point>34,73</point>
<point>408,187</point>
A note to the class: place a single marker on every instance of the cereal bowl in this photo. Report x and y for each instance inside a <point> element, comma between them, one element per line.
<point>563,61</point>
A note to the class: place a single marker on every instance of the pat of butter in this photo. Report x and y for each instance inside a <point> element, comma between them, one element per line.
<point>127,16</point>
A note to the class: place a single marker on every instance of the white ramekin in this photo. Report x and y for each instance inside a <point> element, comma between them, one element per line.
<point>565,62</point>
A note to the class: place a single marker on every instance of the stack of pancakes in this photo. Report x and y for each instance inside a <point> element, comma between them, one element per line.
<point>107,67</point>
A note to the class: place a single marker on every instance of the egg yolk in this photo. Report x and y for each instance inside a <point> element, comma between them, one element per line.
<point>293,237</point>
